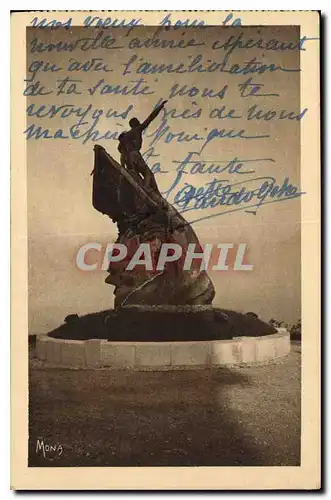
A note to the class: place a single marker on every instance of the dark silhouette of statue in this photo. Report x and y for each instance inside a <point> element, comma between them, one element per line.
<point>129,195</point>
<point>130,144</point>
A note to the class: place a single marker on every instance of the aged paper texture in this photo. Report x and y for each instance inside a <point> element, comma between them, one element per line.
<point>165,250</point>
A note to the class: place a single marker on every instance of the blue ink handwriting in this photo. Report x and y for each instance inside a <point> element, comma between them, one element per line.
<point>192,91</point>
<point>95,64</point>
<point>187,23</point>
<point>109,22</point>
<point>34,88</point>
<point>156,42</point>
<point>65,111</point>
<point>220,192</point>
<point>239,42</point>
<point>197,23</point>
<point>251,89</point>
<point>43,66</point>
<point>99,41</point>
<point>135,87</point>
<point>44,23</point>
<point>236,22</point>
<point>254,113</point>
<point>233,166</point>
<point>193,167</point>
<point>200,65</point>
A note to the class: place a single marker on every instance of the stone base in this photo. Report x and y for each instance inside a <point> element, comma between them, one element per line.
<point>98,353</point>
<point>143,323</point>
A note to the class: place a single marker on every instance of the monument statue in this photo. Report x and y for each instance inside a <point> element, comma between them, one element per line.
<point>129,195</point>
<point>130,144</point>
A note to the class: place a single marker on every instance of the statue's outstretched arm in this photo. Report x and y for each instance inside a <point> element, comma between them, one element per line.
<point>153,115</point>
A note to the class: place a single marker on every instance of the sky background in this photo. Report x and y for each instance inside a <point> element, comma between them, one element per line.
<point>60,214</point>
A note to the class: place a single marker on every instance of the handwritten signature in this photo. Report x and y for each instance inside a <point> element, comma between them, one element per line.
<point>48,449</point>
<point>235,196</point>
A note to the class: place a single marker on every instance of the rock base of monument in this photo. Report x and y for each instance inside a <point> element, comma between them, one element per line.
<point>144,323</point>
<point>162,338</point>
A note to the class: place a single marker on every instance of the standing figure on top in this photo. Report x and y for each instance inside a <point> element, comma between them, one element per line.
<point>130,144</point>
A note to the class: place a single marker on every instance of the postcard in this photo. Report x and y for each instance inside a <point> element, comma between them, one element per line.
<point>165,269</point>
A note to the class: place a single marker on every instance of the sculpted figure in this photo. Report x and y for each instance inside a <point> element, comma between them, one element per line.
<point>128,194</point>
<point>130,144</point>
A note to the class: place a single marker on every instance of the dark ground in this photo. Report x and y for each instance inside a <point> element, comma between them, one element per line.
<point>240,416</point>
